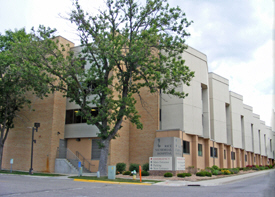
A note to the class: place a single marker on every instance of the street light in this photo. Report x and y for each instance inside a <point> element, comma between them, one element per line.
<point>36,125</point>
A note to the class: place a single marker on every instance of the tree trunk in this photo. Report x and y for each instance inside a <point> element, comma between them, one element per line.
<point>1,154</point>
<point>104,158</point>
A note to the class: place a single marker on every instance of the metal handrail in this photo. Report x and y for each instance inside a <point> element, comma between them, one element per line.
<point>69,155</point>
<point>84,161</point>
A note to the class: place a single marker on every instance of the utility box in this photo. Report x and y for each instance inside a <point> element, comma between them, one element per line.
<point>111,172</point>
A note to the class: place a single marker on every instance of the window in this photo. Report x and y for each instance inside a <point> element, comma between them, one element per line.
<point>232,155</point>
<point>245,158</point>
<point>95,149</point>
<point>270,145</point>
<point>224,153</point>
<point>254,159</point>
<point>215,152</point>
<point>72,118</point>
<point>186,147</point>
<point>199,149</point>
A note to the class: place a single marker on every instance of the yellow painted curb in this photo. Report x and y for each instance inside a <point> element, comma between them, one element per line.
<point>111,182</point>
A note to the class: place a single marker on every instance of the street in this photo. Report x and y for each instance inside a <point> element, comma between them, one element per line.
<point>15,185</point>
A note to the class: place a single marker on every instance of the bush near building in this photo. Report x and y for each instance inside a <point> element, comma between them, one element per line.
<point>120,167</point>
<point>168,174</point>
<point>134,166</point>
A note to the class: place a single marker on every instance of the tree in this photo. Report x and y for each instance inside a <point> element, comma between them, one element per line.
<point>15,82</point>
<point>127,47</point>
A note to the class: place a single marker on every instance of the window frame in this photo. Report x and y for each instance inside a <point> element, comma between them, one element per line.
<point>233,155</point>
<point>200,151</point>
<point>186,145</point>
<point>94,153</point>
<point>74,119</point>
<point>215,152</point>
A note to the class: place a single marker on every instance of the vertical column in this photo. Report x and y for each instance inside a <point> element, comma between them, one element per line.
<point>195,139</point>
<point>229,161</point>
<point>253,158</point>
<point>238,163</point>
<point>207,153</point>
<point>221,155</point>
<point>243,159</point>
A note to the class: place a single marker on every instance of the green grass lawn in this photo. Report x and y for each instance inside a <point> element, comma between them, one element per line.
<point>27,173</point>
<point>114,180</point>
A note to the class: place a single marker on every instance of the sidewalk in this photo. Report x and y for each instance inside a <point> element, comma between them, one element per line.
<point>214,182</point>
<point>208,182</point>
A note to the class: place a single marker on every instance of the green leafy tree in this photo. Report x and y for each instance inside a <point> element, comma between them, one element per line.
<point>125,48</point>
<point>15,82</point>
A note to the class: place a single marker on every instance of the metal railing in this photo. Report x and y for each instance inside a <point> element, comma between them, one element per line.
<point>69,155</point>
<point>85,163</point>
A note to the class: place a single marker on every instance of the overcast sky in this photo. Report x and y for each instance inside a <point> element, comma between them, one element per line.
<point>236,35</point>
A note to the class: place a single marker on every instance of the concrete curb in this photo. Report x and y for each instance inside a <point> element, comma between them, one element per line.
<point>215,182</point>
<point>112,182</point>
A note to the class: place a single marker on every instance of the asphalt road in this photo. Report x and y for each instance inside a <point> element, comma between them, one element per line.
<point>15,185</point>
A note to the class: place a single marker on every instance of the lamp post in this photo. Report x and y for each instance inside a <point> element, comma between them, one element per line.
<point>36,125</point>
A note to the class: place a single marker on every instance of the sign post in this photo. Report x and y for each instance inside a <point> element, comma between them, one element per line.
<point>11,162</point>
<point>79,169</point>
<point>140,173</point>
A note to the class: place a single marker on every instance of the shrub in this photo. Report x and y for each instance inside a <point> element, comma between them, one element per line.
<point>201,173</point>
<point>254,168</point>
<point>226,172</point>
<point>261,168</point>
<point>145,167</point>
<point>121,167</point>
<point>144,173</point>
<point>182,175</point>
<point>187,174</point>
<point>241,168</point>
<point>215,172</point>
<point>134,166</point>
<point>214,167</point>
<point>234,171</point>
<point>266,168</point>
<point>168,174</point>
<point>126,173</point>
<point>208,174</point>
<point>249,166</point>
<point>270,166</point>
<point>208,169</point>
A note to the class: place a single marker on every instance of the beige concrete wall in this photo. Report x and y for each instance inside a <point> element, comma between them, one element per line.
<point>189,110</point>
<point>248,120</point>
<point>219,97</point>
<point>256,129</point>
<point>236,109</point>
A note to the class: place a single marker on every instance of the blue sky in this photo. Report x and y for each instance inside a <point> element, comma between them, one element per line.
<point>236,36</point>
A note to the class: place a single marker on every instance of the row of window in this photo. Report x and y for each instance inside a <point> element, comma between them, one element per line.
<point>186,150</point>
<point>213,151</point>
<point>72,118</point>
